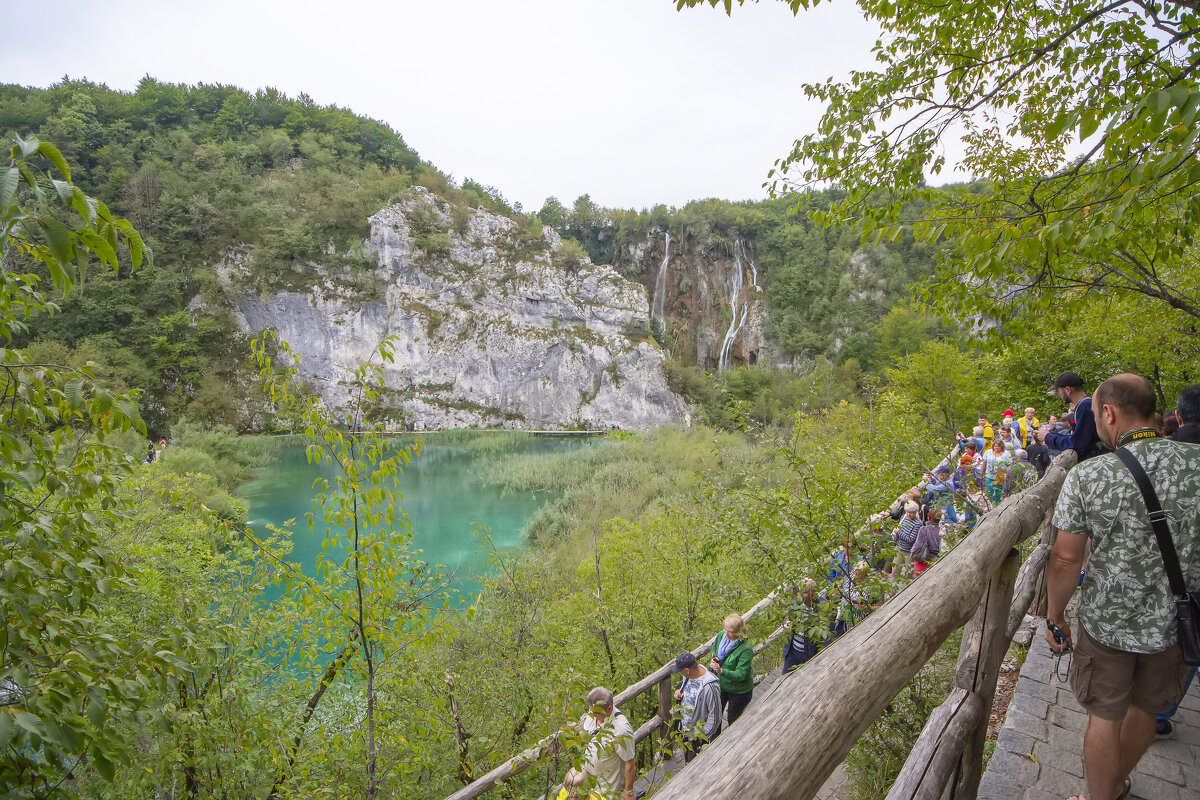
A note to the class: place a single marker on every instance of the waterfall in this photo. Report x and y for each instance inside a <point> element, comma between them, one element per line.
<point>660,288</point>
<point>736,283</point>
<point>735,290</point>
<point>753,266</point>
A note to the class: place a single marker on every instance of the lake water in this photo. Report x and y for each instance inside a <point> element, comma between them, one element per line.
<point>443,497</point>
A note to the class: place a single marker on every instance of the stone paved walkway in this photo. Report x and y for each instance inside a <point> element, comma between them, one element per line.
<point>1039,753</point>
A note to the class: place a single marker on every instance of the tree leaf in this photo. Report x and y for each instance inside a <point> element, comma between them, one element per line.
<point>64,189</point>
<point>103,765</point>
<point>83,206</point>
<point>73,391</point>
<point>54,157</point>
<point>8,729</point>
<point>26,147</point>
<point>8,186</point>
<point>59,239</point>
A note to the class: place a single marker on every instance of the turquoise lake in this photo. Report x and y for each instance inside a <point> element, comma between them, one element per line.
<point>444,497</point>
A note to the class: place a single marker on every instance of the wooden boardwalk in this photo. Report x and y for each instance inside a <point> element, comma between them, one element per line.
<point>1039,752</point>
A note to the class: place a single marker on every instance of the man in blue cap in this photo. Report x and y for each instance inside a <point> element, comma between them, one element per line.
<point>700,702</point>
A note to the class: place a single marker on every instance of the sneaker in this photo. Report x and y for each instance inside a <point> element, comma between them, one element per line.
<point>1163,729</point>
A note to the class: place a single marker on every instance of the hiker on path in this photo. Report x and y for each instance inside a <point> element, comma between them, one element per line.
<point>1128,665</point>
<point>700,705</point>
<point>732,658</point>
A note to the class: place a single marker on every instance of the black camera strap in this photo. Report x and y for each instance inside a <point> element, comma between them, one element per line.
<point>1158,519</point>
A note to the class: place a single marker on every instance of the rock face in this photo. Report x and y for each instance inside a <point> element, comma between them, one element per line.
<point>707,297</point>
<point>492,324</point>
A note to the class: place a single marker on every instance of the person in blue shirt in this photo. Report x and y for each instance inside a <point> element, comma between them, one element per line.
<point>1083,439</point>
<point>941,487</point>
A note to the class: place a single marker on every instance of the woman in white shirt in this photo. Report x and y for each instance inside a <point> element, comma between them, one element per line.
<point>996,463</point>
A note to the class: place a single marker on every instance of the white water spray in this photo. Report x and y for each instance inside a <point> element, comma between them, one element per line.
<point>753,266</point>
<point>660,287</point>
<point>736,283</point>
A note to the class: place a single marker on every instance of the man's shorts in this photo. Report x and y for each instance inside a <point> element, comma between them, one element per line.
<point>1107,681</point>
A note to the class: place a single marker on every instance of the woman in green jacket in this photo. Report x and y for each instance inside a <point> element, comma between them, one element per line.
<point>732,655</point>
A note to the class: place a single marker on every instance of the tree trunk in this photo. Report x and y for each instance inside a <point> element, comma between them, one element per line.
<point>461,735</point>
<point>331,673</point>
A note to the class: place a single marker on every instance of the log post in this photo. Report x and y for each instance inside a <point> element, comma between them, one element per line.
<point>1029,579</point>
<point>665,699</point>
<point>985,641</point>
<point>1049,534</point>
<point>933,761</point>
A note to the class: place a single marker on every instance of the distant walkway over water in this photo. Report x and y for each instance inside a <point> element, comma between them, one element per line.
<point>501,430</point>
<point>1039,752</point>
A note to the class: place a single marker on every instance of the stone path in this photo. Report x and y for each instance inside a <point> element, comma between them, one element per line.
<point>1039,752</point>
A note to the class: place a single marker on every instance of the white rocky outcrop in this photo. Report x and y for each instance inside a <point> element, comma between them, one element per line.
<point>489,327</point>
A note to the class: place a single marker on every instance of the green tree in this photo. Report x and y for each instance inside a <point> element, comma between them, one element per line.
<point>554,214</point>
<point>374,592</point>
<point>1078,120</point>
<point>902,332</point>
<point>942,386</point>
<point>63,676</point>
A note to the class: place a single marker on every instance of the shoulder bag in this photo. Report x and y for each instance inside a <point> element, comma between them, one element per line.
<point>1187,604</point>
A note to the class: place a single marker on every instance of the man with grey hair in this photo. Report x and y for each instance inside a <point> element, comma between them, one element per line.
<point>1022,475</point>
<point>608,766</point>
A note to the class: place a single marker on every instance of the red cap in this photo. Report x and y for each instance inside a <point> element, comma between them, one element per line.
<point>1009,413</point>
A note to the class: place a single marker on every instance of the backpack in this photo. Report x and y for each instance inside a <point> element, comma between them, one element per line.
<point>927,550</point>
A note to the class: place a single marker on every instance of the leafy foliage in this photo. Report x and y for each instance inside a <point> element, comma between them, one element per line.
<point>374,592</point>
<point>1078,121</point>
<point>63,674</point>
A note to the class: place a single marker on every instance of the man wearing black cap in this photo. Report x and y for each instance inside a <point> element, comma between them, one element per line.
<point>1083,440</point>
<point>700,701</point>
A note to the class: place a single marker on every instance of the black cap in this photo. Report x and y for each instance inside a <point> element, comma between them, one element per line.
<point>684,661</point>
<point>1068,379</point>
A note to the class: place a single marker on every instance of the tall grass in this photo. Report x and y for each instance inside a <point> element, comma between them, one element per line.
<point>481,441</point>
<point>612,479</point>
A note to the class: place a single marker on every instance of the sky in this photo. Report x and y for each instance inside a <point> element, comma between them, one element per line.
<point>629,101</point>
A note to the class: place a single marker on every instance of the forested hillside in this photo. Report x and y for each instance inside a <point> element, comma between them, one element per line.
<point>213,175</point>
<point>200,170</point>
<point>826,290</point>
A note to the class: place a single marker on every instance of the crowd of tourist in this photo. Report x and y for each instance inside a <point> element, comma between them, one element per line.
<point>994,461</point>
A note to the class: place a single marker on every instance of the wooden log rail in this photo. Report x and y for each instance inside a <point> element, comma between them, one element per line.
<point>787,745</point>
<point>658,681</point>
<point>946,761</point>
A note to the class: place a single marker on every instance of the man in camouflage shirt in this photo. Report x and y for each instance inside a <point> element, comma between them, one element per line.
<point>1128,665</point>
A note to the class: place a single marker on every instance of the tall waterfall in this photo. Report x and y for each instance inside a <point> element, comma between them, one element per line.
<point>737,281</point>
<point>660,287</point>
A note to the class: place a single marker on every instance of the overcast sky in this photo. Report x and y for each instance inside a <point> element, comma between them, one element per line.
<point>630,101</point>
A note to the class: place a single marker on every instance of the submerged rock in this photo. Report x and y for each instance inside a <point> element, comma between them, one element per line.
<point>493,324</point>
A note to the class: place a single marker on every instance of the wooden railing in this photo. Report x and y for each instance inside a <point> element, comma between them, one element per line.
<point>787,744</point>
<point>659,682</point>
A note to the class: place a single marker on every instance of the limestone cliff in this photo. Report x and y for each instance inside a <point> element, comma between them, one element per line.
<point>494,324</point>
<point>707,300</point>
